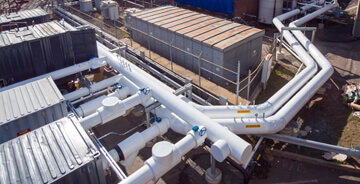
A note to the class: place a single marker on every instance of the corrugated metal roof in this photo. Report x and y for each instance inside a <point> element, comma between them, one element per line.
<point>165,16</point>
<point>140,13</point>
<point>21,15</point>
<point>158,14</point>
<point>182,20</point>
<point>175,18</point>
<point>227,34</point>
<point>187,23</point>
<point>216,31</point>
<point>207,28</point>
<point>31,33</point>
<point>239,38</point>
<point>27,99</point>
<point>47,154</point>
<point>200,25</point>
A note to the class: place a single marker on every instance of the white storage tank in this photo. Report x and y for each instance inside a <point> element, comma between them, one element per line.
<point>110,10</point>
<point>86,5</point>
<point>268,9</point>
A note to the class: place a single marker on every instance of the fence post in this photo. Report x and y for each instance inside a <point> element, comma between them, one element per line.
<point>171,61</point>
<point>199,60</point>
<point>149,47</point>
<point>248,89</point>
<point>237,83</point>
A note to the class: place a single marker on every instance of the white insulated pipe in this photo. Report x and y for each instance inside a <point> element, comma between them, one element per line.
<point>269,107</point>
<point>113,108</point>
<point>165,156</point>
<point>90,107</point>
<point>93,88</point>
<point>239,148</point>
<point>277,122</point>
<point>58,74</point>
<point>127,150</point>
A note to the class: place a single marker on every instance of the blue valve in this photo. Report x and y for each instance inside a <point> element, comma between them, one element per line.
<point>145,90</point>
<point>195,128</point>
<point>202,131</point>
<point>158,119</point>
<point>117,86</point>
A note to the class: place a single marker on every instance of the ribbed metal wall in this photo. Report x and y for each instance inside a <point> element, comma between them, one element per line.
<point>220,41</point>
<point>60,152</point>
<point>43,48</point>
<point>28,107</point>
<point>37,15</point>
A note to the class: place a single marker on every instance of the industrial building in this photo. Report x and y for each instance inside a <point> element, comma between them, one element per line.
<point>79,105</point>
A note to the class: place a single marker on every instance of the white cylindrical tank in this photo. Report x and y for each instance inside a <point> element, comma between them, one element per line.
<point>268,9</point>
<point>110,10</point>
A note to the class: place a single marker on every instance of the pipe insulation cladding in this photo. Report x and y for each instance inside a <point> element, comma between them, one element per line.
<point>239,148</point>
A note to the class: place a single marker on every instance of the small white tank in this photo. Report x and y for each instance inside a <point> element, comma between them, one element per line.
<point>267,8</point>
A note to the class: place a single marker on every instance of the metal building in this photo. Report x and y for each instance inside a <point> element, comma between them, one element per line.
<point>37,15</point>
<point>60,152</point>
<point>28,107</point>
<point>219,41</point>
<point>36,50</point>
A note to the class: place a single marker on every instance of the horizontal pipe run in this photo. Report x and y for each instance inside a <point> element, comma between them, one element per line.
<point>113,108</point>
<point>239,149</point>
<point>90,107</point>
<point>165,156</point>
<point>93,88</point>
<point>313,144</point>
<point>58,74</point>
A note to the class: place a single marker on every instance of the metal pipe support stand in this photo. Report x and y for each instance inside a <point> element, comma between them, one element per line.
<point>213,175</point>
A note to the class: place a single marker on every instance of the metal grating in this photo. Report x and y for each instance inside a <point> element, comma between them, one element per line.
<point>28,107</point>
<point>60,152</point>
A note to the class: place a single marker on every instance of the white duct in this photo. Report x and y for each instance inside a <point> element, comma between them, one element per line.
<point>93,88</point>
<point>239,149</point>
<point>277,122</point>
<point>165,156</point>
<point>58,74</point>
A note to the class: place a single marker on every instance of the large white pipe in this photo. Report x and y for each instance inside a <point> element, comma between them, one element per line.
<point>58,74</point>
<point>273,104</point>
<point>113,108</point>
<point>128,149</point>
<point>90,107</point>
<point>277,122</point>
<point>165,156</point>
<point>93,88</point>
<point>239,149</point>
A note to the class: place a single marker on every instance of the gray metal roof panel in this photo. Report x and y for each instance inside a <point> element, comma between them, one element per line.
<point>47,29</point>
<point>46,154</point>
<point>21,15</point>
<point>23,100</point>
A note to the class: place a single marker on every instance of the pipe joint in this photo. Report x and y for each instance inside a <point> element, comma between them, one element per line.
<point>199,134</point>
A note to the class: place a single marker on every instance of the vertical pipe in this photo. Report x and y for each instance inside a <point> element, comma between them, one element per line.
<point>281,40</point>
<point>248,89</point>
<point>213,163</point>
<point>149,47</point>
<point>237,84</point>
